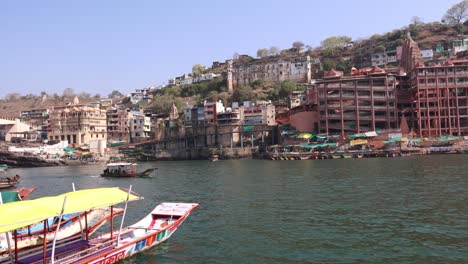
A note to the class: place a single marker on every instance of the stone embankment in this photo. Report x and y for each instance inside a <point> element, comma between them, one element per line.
<point>25,161</point>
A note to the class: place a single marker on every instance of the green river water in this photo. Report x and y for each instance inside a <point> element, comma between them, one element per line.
<point>394,210</point>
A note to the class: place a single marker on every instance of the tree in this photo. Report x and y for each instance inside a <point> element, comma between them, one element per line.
<point>415,20</point>
<point>84,95</point>
<point>235,56</point>
<point>197,69</point>
<point>97,96</point>
<point>68,92</point>
<point>331,45</point>
<point>163,104</point>
<point>457,14</point>
<point>12,96</point>
<point>273,51</point>
<point>262,53</point>
<point>115,94</point>
<point>335,42</point>
<point>287,87</point>
<point>379,49</point>
<point>243,93</point>
<point>298,45</point>
<point>328,65</point>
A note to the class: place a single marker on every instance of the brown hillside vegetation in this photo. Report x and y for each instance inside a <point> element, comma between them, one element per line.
<point>13,107</point>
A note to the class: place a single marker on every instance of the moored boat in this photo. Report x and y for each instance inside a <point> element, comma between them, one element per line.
<point>110,247</point>
<point>15,195</point>
<point>9,182</point>
<point>70,225</point>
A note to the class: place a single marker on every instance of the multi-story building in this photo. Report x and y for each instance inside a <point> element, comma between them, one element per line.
<point>189,79</point>
<point>439,93</point>
<point>230,117</point>
<point>141,95</point>
<point>274,69</point>
<point>140,127</point>
<point>38,118</point>
<point>362,102</point>
<point>78,124</point>
<point>118,124</point>
<point>262,114</point>
<point>211,109</point>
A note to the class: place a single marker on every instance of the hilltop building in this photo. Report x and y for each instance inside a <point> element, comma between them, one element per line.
<point>270,69</point>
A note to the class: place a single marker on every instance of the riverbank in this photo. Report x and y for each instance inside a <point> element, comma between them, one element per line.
<point>26,161</point>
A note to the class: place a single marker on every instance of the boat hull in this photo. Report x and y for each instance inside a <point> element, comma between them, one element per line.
<point>146,241</point>
<point>5,185</point>
<point>145,173</point>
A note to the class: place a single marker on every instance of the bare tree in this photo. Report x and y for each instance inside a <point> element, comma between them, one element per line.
<point>12,96</point>
<point>457,14</point>
<point>68,92</point>
<point>298,45</point>
<point>415,20</point>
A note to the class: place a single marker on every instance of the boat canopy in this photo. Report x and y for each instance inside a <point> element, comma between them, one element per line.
<point>23,213</point>
<point>117,164</point>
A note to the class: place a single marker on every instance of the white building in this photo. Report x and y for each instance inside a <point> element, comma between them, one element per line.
<point>427,54</point>
<point>140,127</point>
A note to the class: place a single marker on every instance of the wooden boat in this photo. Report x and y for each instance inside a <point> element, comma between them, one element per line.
<point>15,195</point>
<point>24,193</point>
<point>3,167</point>
<point>110,247</point>
<point>125,169</point>
<point>9,182</point>
<point>33,235</point>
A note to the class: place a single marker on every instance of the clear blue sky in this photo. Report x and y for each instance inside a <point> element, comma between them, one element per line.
<point>97,46</point>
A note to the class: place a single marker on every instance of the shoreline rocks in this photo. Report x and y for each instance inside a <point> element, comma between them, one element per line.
<point>21,161</point>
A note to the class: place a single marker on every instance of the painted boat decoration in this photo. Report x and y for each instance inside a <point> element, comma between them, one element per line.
<point>110,247</point>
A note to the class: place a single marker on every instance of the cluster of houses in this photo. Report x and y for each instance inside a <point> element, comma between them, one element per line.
<point>393,56</point>
<point>102,123</point>
<point>417,93</point>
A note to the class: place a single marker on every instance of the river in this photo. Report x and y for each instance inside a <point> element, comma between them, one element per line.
<point>394,210</point>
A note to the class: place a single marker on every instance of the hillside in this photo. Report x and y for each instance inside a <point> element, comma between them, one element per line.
<point>342,56</point>
<point>12,107</point>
